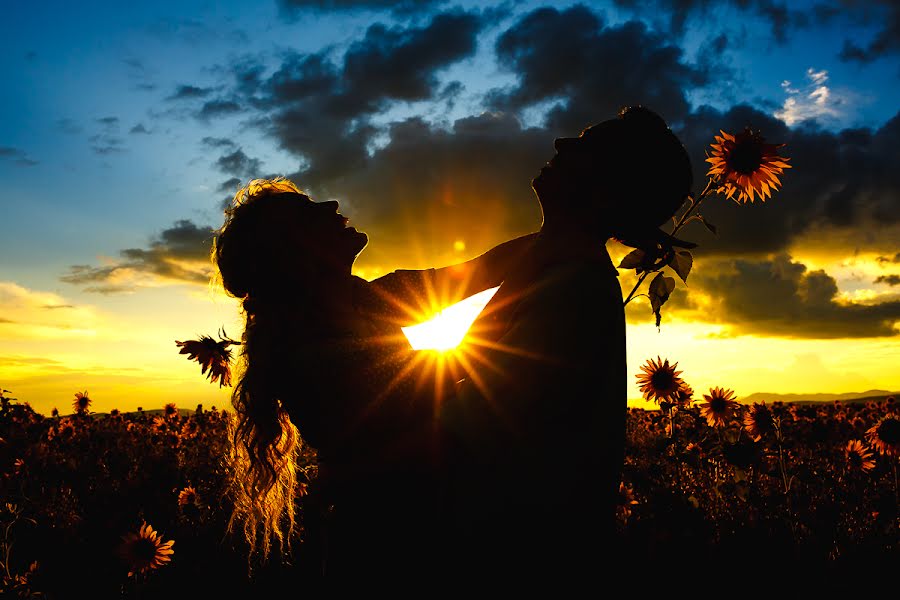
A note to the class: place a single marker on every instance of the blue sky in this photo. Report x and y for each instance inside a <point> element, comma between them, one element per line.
<point>99,154</point>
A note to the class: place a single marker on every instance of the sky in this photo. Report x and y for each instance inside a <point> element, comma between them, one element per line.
<point>124,131</point>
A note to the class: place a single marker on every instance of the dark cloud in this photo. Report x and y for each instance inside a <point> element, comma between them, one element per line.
<point>105,145</point>
<point>17,156</point>
<point>190,92</point>
<point>111,122</point>
<point>321,108</point>
<point>888,279</point>
<point>230,185</point>
<point>218,108</point>
<point>139,128</point>
<point>846,180</point>
<point>886,259</point>
<point>592,71</point>
<point>673,16</point>
<point>214,142</point>
<point>397,7</point>
<point>179,253</point>
<point>780,297</point>
<point>886,14</point>
<point>239,164</point>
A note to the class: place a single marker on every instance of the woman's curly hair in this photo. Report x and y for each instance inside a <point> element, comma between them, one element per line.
<point>264,445</point>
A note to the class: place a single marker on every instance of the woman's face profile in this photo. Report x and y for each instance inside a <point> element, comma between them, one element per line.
<point>326,233</point>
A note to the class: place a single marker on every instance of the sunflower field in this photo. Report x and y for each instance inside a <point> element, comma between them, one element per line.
<point>136,505</point>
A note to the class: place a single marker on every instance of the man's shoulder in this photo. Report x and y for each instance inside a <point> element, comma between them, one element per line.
<point>575,282</point>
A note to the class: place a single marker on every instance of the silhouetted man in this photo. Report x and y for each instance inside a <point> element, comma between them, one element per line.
<point>537,429</point>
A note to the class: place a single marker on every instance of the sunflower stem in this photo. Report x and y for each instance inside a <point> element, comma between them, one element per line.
<point>694,205</point>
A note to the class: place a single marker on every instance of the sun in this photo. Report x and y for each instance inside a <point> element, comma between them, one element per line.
<point>446,330</point>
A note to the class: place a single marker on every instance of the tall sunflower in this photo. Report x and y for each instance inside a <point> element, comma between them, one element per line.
<point>659,380</point>
<point>859,457</point>
<point>758,421</point>
<point>745,164</point>
<point>884,436</point>
<point>82,403</point>
<point>719,406</point>
<point>144,551</point>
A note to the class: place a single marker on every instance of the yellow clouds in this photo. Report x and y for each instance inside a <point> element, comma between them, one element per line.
<point>31,314</point>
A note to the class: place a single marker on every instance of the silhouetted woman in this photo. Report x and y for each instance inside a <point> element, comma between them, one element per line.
<point>323,357</point>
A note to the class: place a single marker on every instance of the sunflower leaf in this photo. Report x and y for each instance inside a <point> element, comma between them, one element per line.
<point>681,262</point>
<point>632,260</point>
<point>660,289</point>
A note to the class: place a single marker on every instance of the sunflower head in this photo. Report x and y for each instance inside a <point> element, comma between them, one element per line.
<point>859,457</point>
<point>212,355</point>
<point>188,497</point>
<point>145,550</point>
<point>884,436</point>
<point>758,421</point>
<point>744,164</point>
<point>170,410</point>
<point>659,380</point>
<point>82,403</point>
<point>685,395</point>
<point>719,406</point>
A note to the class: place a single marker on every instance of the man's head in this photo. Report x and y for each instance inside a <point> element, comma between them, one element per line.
<point>622,178</point>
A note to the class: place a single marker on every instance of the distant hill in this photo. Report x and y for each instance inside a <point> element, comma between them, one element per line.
<point>808,398</point>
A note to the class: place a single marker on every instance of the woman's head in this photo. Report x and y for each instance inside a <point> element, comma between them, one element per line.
<point>276,239</point>
<point>621,178</point>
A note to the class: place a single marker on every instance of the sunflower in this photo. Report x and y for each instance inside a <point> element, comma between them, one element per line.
<point>659,381</point>
<point>884,436</point>
<point>684,396</point>
<point>211,355</point>
<point>719,406</point>
<point>859,457</point>
<point>81,403</point>
<point>745,164</point>
<point>170,410</point>
<point>145,550</point>
<point>188,497</point>
<point>758,421</point>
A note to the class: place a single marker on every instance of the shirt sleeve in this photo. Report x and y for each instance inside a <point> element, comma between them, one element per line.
<point>403,297</point>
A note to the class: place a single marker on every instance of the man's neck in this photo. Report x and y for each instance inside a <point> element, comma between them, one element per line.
<point>572,242</point>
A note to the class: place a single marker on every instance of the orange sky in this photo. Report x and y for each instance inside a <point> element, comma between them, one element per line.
<point>121,348</point>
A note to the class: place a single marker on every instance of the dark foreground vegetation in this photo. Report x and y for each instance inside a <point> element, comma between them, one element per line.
<point>90,502</point>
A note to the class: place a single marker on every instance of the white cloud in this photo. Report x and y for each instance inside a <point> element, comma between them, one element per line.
<point>815,100</point>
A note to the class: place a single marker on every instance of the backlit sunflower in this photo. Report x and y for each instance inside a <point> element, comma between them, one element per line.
<point>82,403</point>
<point>746,165</point>
<point>758,421</point>
<point>719,406</point>
<point>188,497</point>
<point>145,550</point>
<point>684,396</point>
<point>859,457</point>
<point>659,381</point>
<point>211,355</point>
<point>170,410</point>
<point>884,436</point>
